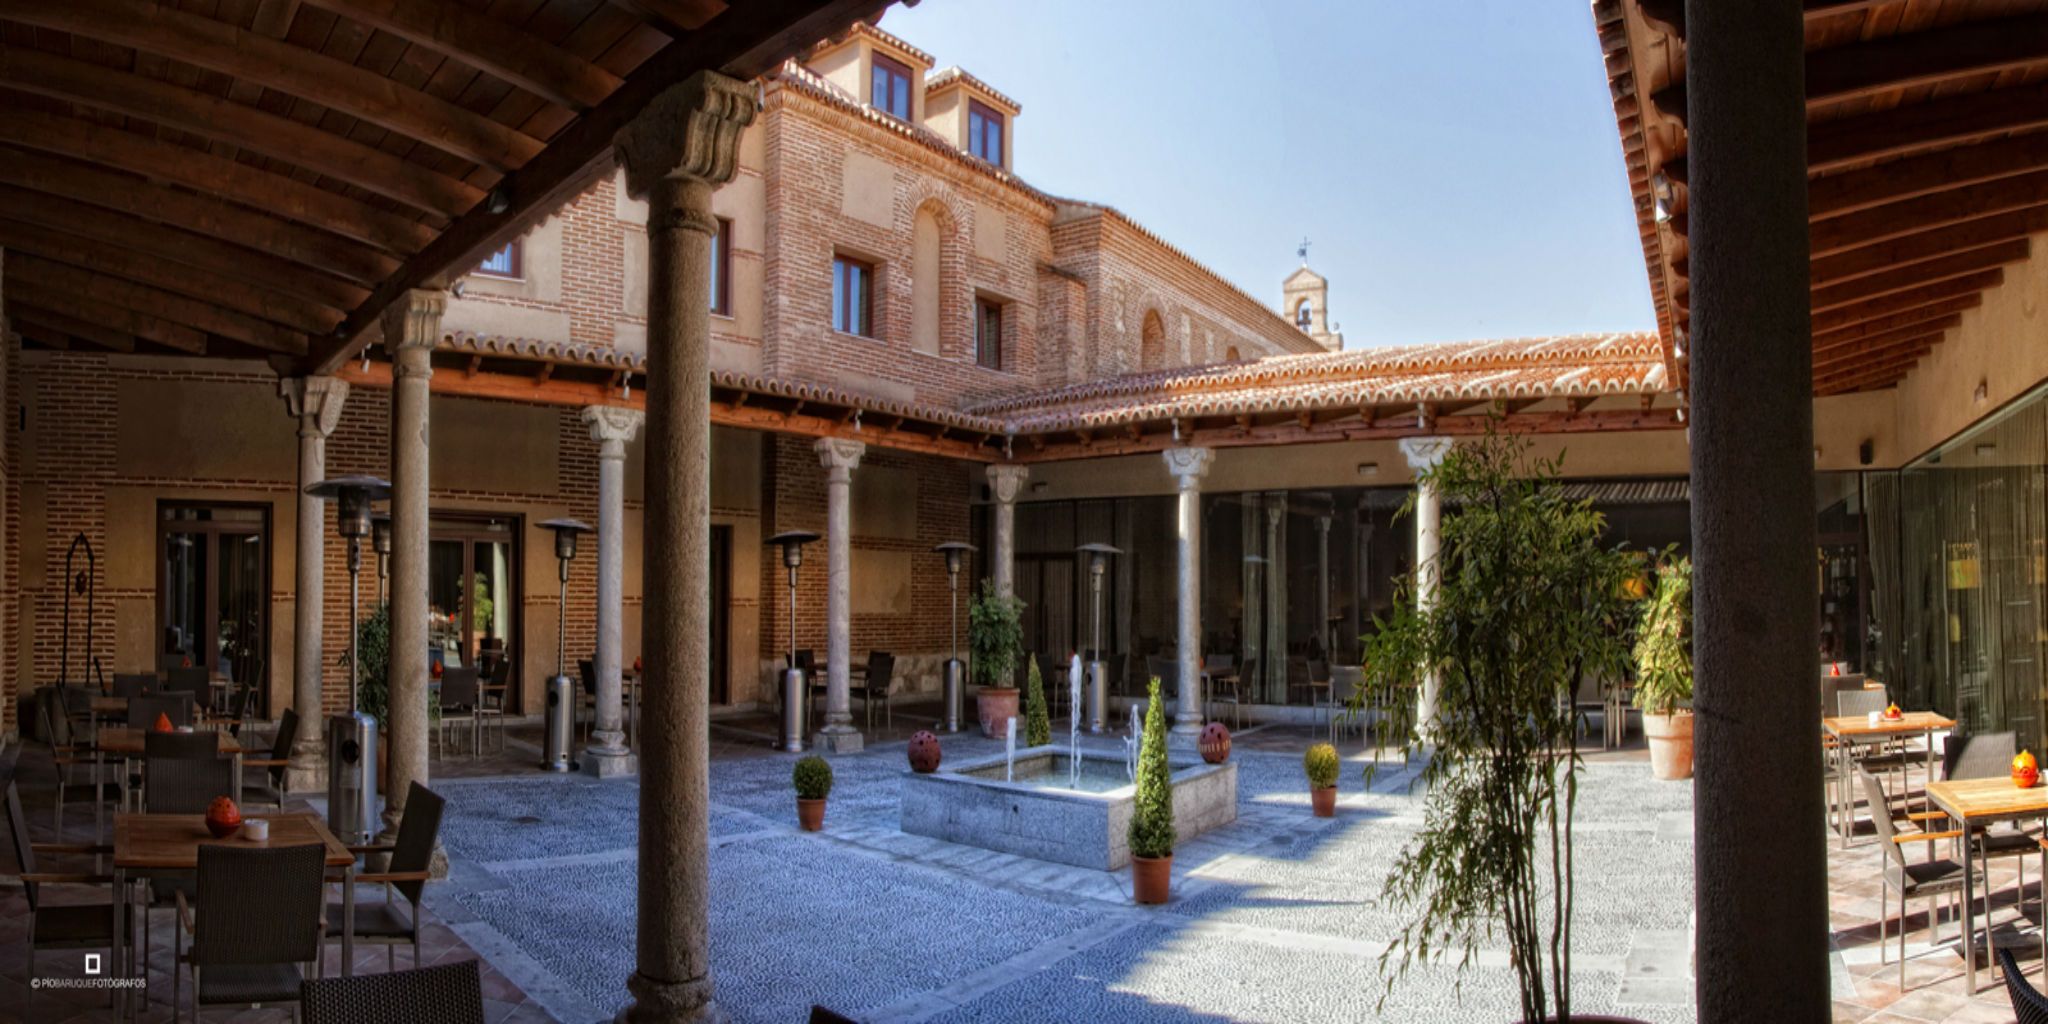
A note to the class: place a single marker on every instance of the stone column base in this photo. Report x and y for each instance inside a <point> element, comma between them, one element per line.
<point>667,1002</point>
<point>307,779</point>
<point>846,741</point>
<point>610,762</point>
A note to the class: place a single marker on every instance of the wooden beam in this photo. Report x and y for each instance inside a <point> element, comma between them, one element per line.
<point>59,277</point>
<point>26,333</point>
<point>1907,318</point>
<point>250,128</point>
<point>675,18</point>
<point>1889,305</point>
<point>1914,176</point>
<point>204,285</point>
<point>203,172</point>
<point>1877,340</point>
<point>295,70</point>
<point>1841,361</point>
<point>1912,216</point>
<point>1927,245</point>
<point>1668,16</point>
<point>1914,275</point>
<point>179,248</point>
<point>104,337</point>
<point>1897,131</point>
<point>491,45</point>
<point>1290,432</point>
<point>155,329</point>
<point>762,32</point>
<point>1890,369</point>
<point>207,216</point>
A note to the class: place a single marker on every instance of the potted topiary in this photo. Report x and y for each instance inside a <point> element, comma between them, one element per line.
<point>1663,657</point>
<point>813,779</point>
<point>1320,764</point>
<point>1037,722</point>
<point>995,640</point>
<point>1152,817</point>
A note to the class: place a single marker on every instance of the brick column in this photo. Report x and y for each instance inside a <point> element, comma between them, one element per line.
<point>411,326</point>
<point>675,153</point>
<point>611,428</point>
<point>1004,482</point>
<point>839,457</point>
<point>1423,454</point>
<point>316,403</point>
<point>1188,465</point>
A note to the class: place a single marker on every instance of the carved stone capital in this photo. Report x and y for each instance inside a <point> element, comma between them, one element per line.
<point>1425,452</point>
<point>1188,465</point>
<point>411,327</point>
<point>692,131</point>
<point>315,402</point>
<point>839,456</point>
<point>1006,480</point>
<point>611,427</point>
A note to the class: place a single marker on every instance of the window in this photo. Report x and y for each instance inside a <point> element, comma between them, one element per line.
<point>1303,315</point>
<point>988,334</point>
<point>984,132</point>
<point>721,268</point>
<point>889,88</point>
<point>505,262</point>
<point>853,297</point>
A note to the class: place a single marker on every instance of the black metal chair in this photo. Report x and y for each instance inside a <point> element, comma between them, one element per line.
<point>459,697</point>
<point>876,685</point>
<point>257,921</point>
<point>273,764</point>
<point>1928,879</point>
<point>411,857</point>
<point>446,994</point>
<point>586,696</point>
<point>491,698</point>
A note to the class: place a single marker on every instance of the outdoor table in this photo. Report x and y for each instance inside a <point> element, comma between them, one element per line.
<point>1847,730</point>
<point>1973,803</point>
<point>149,844</point>
<point>110,706</point>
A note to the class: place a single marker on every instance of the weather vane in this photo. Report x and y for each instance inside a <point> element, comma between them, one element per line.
<point>1303,251</point>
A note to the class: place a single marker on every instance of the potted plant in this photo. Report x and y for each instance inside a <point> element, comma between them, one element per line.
<point>995,640</point>
<point>813,780</point>
<point>1528,602</point>
<point>1663,657</point>
<point>1037,721</point>
<point>1320,764</point>
<point>1152,818</point>
<point>373,685</point>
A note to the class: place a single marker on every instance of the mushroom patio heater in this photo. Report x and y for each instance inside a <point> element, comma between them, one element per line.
<point>795,699</point>
<point>352,734</point>
<point>561,706</point>
<point>1098,667</point>
<point>955,552</point>
<point>380,542</point>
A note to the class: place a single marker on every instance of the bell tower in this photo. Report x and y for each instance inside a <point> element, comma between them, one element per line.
<point>1305,302</point>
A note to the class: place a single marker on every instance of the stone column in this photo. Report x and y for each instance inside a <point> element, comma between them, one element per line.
<point>1423,454</point>
<point>1004,482</point>
<point>684,145</point>
<point>839,457</point>
<point>1760,858</point>
<point>611,427</point>
<point>316,403</point>
<point>1188,465</point>
<point>411,325</point>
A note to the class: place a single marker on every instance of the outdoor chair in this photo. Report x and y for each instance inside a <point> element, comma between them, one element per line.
<point>272,765</point>
<point>875,685</point>
<point>143,711</point>
<point>491,698</point>
<point>2028,1005</point>
<point>446,994</point>
<point>1230,689</point>
<point>173,660</point>
<point>255,920</point>
<point>197,743</point>
<point>1297,675</point>
<point>1591,696</point>
<point>65,926</point>
<point>1928,879</point>
<point>181,778</point>
<point>459,699</point>
<point>586,695</point>
<point>1986,755</point>
<point>411,856</point>
<point>127,684</point>
<point>1344,683</point>
<point>195,681</point>
<point>70,757</point>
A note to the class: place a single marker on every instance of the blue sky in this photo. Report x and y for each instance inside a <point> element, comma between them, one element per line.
<point>1453,163</point>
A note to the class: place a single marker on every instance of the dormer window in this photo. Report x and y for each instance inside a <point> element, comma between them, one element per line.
<point>889,87</point>
<point>984,132</point>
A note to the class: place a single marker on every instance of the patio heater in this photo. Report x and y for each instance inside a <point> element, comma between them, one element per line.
<point>795,700</point>
<point>955,552</point>
<point>352,734</point>
<point>1098,668</point>
<point>561,708</point>
<point>380,542</point>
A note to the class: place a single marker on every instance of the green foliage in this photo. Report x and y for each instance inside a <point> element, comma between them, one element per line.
<point>995,636</point>
<point>813,778</point>
<point>1529,603</point>
<point>1320,764</point>
<point>482,609</point>
<point>1152,819</point>
<point>1037,722</point>
<point>373,685</point>
<point>1664,640</point>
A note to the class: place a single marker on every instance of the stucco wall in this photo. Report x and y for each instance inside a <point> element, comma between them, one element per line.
<point>2002,345</point>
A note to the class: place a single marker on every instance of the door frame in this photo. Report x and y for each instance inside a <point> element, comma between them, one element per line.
<point>438,522</point>
<point>209,601</point>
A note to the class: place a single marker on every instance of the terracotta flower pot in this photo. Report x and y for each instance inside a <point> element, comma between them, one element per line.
<point>1151,878</point>
<point>810,814</point>
<point>997,705</point>
<point>1214,743</point>
<point>1670,744</point>
<point>1324,799</point>
<point>924,752</point>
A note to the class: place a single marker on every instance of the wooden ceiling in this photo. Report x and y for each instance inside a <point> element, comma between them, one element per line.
<point>261,178</point>
<point>1927,149</point>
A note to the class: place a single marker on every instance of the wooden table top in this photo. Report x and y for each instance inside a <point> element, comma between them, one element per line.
<point>1988,799</point>
<point>171,842</point>
<point>1911,721</point>
<point>124,739</point>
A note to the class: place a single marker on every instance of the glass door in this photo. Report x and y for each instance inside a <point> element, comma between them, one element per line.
<point>472,588</point>
<point>213,604</point>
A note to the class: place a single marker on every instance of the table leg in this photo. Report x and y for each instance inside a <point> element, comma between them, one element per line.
<point>120,950</point>
<point>1969,911</point>
<point>348,921</point>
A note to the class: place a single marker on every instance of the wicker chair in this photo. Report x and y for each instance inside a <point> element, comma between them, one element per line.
<point>407,872</point>
<point>130,684</point>
<point>186,784</point>
<point>447,994</point>
<point>143,711</point>
<point>58,926</point>
<point>1931,878</point>
<point>70,757</point>
<point>272,764</point>
<point>257,921</point>
<point>459,699</point>
<point>195,681</point>
<point>2028,1006</point>
<point>197,743</point>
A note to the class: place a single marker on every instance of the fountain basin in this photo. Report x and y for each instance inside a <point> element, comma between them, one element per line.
<point>1038,816</point>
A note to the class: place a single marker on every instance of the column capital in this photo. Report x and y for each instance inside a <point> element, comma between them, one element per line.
<point>412,325</point>
<point>315,402</point>
<point>611,426</point>
<point>1005,479</point>
<point>691,131</point>
<point>1425,452</point>
<point>839,456</point>
<point>1188,465</point>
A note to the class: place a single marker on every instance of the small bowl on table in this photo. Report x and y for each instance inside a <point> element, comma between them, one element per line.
<point>256,830</point>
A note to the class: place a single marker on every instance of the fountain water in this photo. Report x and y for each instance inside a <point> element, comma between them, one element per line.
<point>1132,741</point>
<point>1010,749</point>
<point>1074,716</point>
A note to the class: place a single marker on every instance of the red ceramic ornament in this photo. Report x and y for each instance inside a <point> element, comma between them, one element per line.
<point>434,669</point>
<point>223,818</point>
<point>2025,778</point>
<point>163,723</point>
<point>1214,743</point>
<point>924,752</point>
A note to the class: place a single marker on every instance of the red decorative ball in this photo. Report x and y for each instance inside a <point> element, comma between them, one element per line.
<point>924,752</point>
<point>223,817</point>
<point>2025,778</point>
<point>1215,743</point>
